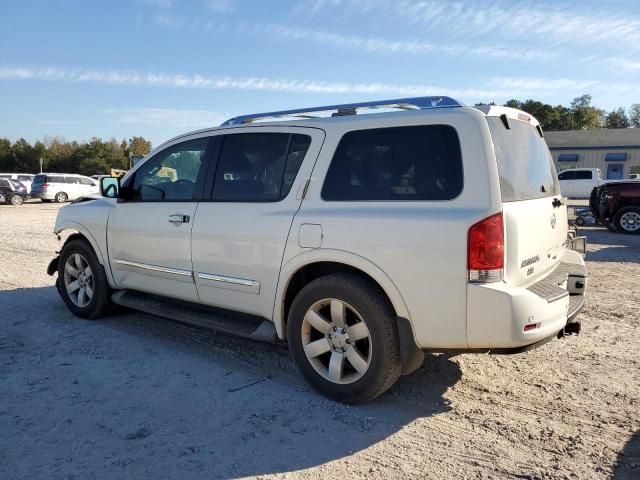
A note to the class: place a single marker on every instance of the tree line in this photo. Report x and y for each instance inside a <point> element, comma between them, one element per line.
<point>579,115</point>
<point>95,157</point>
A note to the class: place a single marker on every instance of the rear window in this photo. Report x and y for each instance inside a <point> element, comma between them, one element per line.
<point>525,165</point>
<point>396,163</point>
<point>24,178</point>
<point>40,179</point>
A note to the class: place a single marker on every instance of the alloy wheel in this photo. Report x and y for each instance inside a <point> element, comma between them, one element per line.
<point>78,280</point>
<point>336,341</point>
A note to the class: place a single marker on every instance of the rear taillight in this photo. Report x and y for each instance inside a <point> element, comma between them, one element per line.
<point>485,250</point>
<point>44,185</point>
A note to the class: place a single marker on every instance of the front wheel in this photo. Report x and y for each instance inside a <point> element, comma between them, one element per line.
<point>343,338</point>
<point>627,220</point>
<point>82,283</point>
<point>61,197</point>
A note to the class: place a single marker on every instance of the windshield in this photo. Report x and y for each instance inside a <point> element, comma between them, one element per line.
<point>525,165</point>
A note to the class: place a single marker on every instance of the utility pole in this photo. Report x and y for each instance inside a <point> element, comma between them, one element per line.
<point>40,164</point>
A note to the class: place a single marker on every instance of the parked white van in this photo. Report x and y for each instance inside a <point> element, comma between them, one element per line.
<point>361,240</point>
<point>24,178</point>
<point>61,187</point>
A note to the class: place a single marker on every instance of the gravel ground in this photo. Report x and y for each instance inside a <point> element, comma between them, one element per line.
<point>134,396</point>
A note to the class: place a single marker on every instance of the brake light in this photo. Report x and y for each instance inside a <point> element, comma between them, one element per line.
<point>44,185</point>
<point>485,250</point>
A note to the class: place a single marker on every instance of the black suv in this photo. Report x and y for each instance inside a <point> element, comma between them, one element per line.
<point>12,191</point>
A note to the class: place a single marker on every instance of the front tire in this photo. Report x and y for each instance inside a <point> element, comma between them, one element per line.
<point>343,338</point>
<point>627,220</point>
<point>61,197</point>
<point>82,282</point>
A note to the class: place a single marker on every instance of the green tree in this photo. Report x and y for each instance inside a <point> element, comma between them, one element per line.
<point>634,115</point>
<point>617,119</point>
<point>585,115</point>
<point>139,146</point>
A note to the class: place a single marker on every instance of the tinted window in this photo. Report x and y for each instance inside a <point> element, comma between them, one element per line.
<point>40,179</point>
<point>171,174</point>
<point>73,180</point>
<point>4,182</point>
<point>24,178</point>
<point>583,175</point>
<point>399,163</point>
<point>86,181</point>
<point>256,167</point>
<point>525,165</point>
<point>5,176</point>
<point>567,175</point>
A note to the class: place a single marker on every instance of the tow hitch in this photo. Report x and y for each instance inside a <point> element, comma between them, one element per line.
<point>571,328</point>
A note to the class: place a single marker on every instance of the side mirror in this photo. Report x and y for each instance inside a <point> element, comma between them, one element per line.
<point>109,187</point>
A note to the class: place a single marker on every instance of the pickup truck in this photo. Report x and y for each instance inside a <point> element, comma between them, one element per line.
<point>580,182</point>
<point>617,205</point>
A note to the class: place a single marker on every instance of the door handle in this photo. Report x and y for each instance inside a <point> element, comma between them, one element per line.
<point>178,218</point>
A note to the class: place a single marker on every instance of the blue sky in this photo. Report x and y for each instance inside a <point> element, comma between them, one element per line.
<point>158,68</point>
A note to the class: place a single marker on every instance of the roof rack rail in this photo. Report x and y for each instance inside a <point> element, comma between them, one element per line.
<point>416,103</point>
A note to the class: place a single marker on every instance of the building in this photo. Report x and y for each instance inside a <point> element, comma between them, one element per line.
<point>616,152</point>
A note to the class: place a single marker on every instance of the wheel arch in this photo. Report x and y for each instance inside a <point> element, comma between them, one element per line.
<point>79,231</point>
<point>313,264</point>
<point>308,266</point>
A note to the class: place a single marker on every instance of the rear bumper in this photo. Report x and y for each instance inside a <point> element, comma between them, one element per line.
<point>497,313</point>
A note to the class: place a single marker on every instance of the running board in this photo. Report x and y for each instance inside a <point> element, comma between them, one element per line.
<point>238,325</point>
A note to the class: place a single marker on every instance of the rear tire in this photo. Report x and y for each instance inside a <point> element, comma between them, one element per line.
<point>61,197</point>
<point>343,337</point>
<point>16,199</point>
<point>82,282</point>
<point>627,220</point>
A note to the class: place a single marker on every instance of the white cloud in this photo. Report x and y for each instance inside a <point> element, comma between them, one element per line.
<point>221,6</point>
<point>626,64</point>
<point>492,88</point>
<point>520,21</point>
<point>166,117</point>
<point>381,45</point>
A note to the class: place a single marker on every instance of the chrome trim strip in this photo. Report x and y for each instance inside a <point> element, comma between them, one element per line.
<point>224,279</point>
<point>155,268</point>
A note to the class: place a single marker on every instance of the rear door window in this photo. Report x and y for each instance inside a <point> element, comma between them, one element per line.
<point>525,165</point>
<point>40,179</point>
<point>414,163</point>
<point>258,167</point>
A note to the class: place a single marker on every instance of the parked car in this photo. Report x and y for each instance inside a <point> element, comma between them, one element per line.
<point>12,192</point>
<point>25,178</point>
<point>361,240</point>
<point>579,182</point>
<point>61,187</point>
<point>634,176</point>
<point>617,205</point>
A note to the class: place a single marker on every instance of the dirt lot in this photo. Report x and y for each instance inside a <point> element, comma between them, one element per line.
<point>134,396</point>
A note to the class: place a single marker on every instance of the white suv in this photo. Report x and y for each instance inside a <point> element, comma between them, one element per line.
<point>61,187</point>
<point>361,240</point>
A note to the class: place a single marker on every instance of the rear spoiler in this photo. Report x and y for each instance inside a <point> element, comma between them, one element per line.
<point>507,113</point>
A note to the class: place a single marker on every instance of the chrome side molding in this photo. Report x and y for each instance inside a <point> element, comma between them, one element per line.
<point>155,268</point>
<point>231,283</point>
